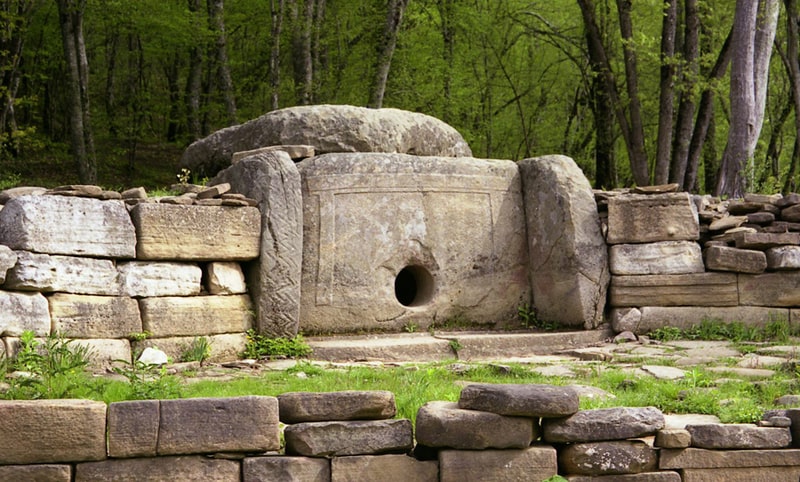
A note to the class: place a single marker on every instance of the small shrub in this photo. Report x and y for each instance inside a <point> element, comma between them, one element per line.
<point>666,333</point>
<point>528,319</point>
<point>198,350</point>
<point>146,381</point>
<point>261,346</point>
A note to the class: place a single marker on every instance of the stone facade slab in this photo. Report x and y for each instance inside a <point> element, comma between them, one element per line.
<point>298,407</point>
<point>37,473</point>
<point>528,400</point>
<point>23,311</point>
<point>608,458</point>
<point>133,428</point>
<point>642,321</point>
<point>770,289</point>
<point>532,463</point>
<point>739,436</point>
<point>696,458</point>
<point>724,258</point>
<point>159,469</point>
<point>225,278</point>
<point>443,424</point>
<point>603,424</point>
<point>639,218</point>
<point>770,474</point>
<point>68,274</point>
<point>367,468</point>
<point>88,316</point>
<point>146,279</point>
<point>666,257</point>
<point>196,315</point>
<point>674,290</point>
<point>335,439</point>
<point>286,469</point>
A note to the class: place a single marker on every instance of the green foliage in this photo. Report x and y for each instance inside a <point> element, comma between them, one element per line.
<point>261,346</point>
<point>737,332</point>
<point>198,350</point>
<point>54,368</point>
<point>146,381</point>
<point>528,319</point>
<point>455,345</point>
<point>140,336</point>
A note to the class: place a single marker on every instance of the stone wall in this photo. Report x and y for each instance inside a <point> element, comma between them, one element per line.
<point>678,259</point>
<point>493,433</point>
<point>120,275</point>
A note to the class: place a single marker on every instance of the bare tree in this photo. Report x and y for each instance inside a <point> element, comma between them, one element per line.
<point>386,47</point>
<point>194,80</point>
<point>686,108</point>
<point>217,24</point>
<point>301,50</point>
<point>792,63</point>
<point>70,14</point>
<point>12,39</point>
<point>276,13</point>
<point>666,104</point>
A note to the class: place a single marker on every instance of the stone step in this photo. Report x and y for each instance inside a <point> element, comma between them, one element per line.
<point>464,345</point>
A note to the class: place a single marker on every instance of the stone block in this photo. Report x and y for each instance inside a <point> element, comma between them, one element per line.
<point>532,463</point>
<point>196,315</point>
<point>674,290</point>
<point>105,352</point>
<point>568,254</point>
<point>88,316</point>
<point>68,225</point>
<point>273,180</point>
<point>159,469</point>
<point>764,241</point>
<point>8,258</point>
<point>68,274</point>
<point>666,257</point>
<point>661,476</point>
<point>23,311</point>
<point>335,439</point>
<point>608,458</point>
<point>637,218</point>
<point>643,320</point>
<point>196,233</point>
<point>298,407</point>
<point>724,258</point>
<point>225,278</point>
<point>133,428</point>
<point>370,468</point>
<point>529,400</point>
<point>603,424</point>
<point>380,250</point>
<point>224,347</point>
<point>443,424</point>
<point>695,458</point>
<point>208,425</point>
<point>770,289</point>
<point>297,152</point>
<point>739,436</point>
<point>673,438</point>
<point>37,473</point>
<point>52,431</point>
<point>783,257</point>
<point>286,469</point>
<point>760,474</point>
<point>144,279</point>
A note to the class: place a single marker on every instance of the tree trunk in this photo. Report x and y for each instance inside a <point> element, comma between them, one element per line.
<point>394,17</point>
<point>665,111</point>
<point>747,92</point>
<point>216,21</point>
<point>276,13</point>
<point>70,13</point>
<point>301,51</point>
<point>448,44</point>
<point>12,40</point>
<point>686,108</point>
<point>793,67</point>
<point>194,80</point>
<point>604,160</point>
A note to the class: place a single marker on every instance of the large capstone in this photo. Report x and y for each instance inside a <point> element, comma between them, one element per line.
<point>328,128</point>
<point>394,239</point>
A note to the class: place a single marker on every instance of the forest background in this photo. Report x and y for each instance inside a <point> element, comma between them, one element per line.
<point>701,93</point>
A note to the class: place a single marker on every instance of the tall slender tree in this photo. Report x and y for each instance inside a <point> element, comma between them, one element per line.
<point>386,47</point>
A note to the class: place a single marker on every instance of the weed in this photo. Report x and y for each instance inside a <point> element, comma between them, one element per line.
<point>198,350</point>
<point>455,345</point>
<point>411,327</point>
<point>140,336</point>
<point>736,332</point>
<point>528,319</point>
<point>666,333</point>
<point>184,176</point>
<point>146,381</point>
<point>260,346</point>
<point>10,180</point>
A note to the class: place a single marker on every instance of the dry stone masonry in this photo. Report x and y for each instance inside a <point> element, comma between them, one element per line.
<point>493,433</point>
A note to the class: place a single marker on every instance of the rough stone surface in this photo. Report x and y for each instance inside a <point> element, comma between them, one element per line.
<point>520,400</point>
<point>68,274</point>
<point>68,225</point>
<point>38,473</point>
<point>225,278</point>
<point>568,254</point>
<point>770,289</point>
<point>297,153</point>
<point>186,316</point>
<point>142,278</point>
<point>608,458</point>
<point>88,316</point>
<point>665,257</point>
<point>196,233</point>
<point>333,439</point>
<point>723,258</point>
<point>739,436</point>
<point>273,181</point>
<point>8,258</point>
<point>208,425</point>
<point>330,406</point>
<point>674,290</point>
<point>637,218</point>
<point>661,476</point>
<point>532,463</point>
<point>603,424</point>
<point>673,438</point>
<point>383,468</point>
<point>133,428</point>
<point>105,352</point>
<point>764,241</point>
<point>225,347</point>
<point>160,469</point>
<point>771,474</point>
<point>286,469</point>
<point>380,250</point>
<point>695,458</point>
<point>650,318</point>
<point>329,128</point>
<point>66,431</point>
<point>783,257</point>
<point>443,424</point>
<point>23,311</point>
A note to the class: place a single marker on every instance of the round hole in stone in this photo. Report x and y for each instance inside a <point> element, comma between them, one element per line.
<point>413,286</point>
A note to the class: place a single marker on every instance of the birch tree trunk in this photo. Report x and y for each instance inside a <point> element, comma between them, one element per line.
<point>70,14</point>
<point>793,68</point>
<point>394,17</point>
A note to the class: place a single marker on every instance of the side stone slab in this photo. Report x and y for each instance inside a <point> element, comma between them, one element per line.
<point>568,255</point>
